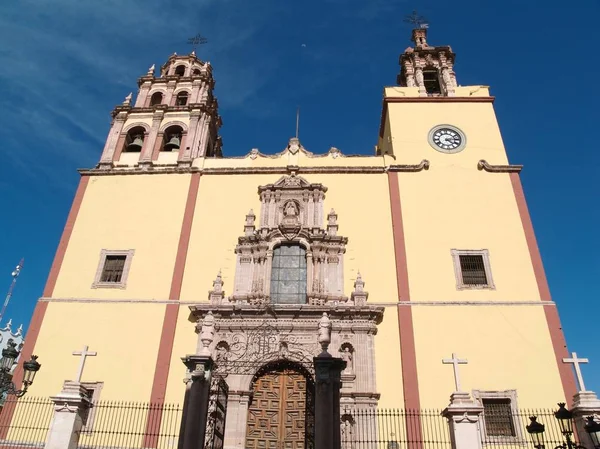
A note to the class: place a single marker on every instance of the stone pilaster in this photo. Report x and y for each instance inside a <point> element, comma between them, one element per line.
<point>585,403</point>
<point>195,415</point>
<point>149,142</point>
<point>327,401</point>
<point>463,416</point>
<point>70,408</point>
<point>106,160</point>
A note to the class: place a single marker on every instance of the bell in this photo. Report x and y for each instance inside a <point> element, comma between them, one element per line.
<point>136,145</point>
<point>172,144</point>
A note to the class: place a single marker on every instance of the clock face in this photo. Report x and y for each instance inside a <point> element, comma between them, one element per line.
<point>447,139</point>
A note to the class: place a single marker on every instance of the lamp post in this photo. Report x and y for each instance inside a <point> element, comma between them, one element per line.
<point>565,422</point>
<point>30,368</point>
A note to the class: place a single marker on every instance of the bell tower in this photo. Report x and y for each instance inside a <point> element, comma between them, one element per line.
<point>426,67</point>
<point>173,120</point>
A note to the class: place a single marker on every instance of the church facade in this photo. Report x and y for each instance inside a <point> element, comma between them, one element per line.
<point>422,250</point>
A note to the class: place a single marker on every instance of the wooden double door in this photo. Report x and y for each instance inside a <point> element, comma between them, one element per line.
<point>281,414</point>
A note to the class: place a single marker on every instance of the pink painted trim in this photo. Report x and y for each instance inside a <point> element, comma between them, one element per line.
<point>157,145</point>
<point>35,325</point>
<point>556,334</point>
<point>410,379</point>
<point>165,348</point>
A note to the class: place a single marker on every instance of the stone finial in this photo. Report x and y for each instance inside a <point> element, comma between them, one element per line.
<point>249,227</point>
<point>151,70</point>
<point>332,226</point>
<point>127,100</point>
<point>294,145</point>
<point>419,37</point>
<point>207,334</point>
<point>324,334</point>
<point>9,325</point>
<point>216,295</point>
<point>359,296</point>
<point>193,53</point>
<point>20,330</point>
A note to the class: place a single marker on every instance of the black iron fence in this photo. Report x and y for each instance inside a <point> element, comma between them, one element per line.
<point>507,427</point>
<point>25,422</point>
<point>395,429</point>
<point>111,424</point>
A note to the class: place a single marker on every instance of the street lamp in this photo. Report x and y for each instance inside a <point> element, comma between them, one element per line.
<point>565,422</point>
<point>536,430</point>
<point>592,427</point>
<point>30,368</point>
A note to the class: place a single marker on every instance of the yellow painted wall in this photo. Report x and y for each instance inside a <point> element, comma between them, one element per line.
<point>507,347</point>
<point>120,213</point>
<point>125,335</point>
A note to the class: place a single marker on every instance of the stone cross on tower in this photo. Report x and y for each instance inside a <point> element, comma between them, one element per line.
<point>576,362</point>
<point>83,354</point>
<point>455,361</point>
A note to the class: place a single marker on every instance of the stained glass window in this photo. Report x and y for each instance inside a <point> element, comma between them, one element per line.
<point>288,275</point>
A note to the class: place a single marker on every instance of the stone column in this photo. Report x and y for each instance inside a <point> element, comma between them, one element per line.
<point>186,153</point>
<point>463,416</point>
<point>585,403</point>
<point>70,408</point>
<point>195,407</point>
<point>327,401</point>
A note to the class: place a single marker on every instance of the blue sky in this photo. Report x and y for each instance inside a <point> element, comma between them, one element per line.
<point>65,64</point>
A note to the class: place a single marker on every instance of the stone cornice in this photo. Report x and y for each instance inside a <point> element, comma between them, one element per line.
<point>282,170</point>
<point>484,165</point>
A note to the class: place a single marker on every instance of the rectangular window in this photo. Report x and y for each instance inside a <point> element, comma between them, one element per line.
<point>288,275</point>
<point>499,421</point>
<point>472,269</point>
<point>498,418</point>
<point>113,269</point>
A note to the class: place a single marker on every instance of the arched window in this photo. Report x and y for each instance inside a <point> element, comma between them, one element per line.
<point>431,80</point>
<point>196,72</point>
<point>134,140</point>
<point>156,98</point>
<point>180,70</point>
<point>288,275</point>
<point>172,138</point>
<point>182,98</point>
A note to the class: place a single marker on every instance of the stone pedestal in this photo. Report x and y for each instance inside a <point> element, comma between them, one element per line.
<point>463,418</point>
<point>327,401</point>
<point>195,406</point>
<point>70,408</point>
<point>585,403</point>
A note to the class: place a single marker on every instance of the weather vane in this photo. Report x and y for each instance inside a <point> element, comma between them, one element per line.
<point>198,39</point>
<point>416,20</point>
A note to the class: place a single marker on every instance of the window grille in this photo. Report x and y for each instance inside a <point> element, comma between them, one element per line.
<point>288,275</point>
<point>497,414</point>
<point>473,270</point>
<point>113,268</point>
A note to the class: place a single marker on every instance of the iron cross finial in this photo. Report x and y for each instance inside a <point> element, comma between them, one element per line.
<point>416,20</point>
<point>196,40</point>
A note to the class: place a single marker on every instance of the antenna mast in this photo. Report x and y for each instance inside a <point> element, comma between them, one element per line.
<point>15,275</point>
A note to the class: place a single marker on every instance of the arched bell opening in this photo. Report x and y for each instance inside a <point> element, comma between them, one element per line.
<point>156,98</point>
<point>196,72</point>
<point>283,393</point>
<point>172,138</point>
<point>134,141</point>
<point>180,70</point>
<point>182,98</point>
<point>431,80</point>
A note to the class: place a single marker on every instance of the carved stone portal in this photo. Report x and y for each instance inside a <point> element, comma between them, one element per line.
<point>251,334</point>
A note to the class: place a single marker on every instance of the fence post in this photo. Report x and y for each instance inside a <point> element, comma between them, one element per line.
<point>327,401</point>
<point>195,407</point>
<point>463,419</point>
<point>585,403</point>
<point>70,408</point>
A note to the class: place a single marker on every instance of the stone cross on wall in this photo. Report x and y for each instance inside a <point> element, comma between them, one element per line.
<point>455,361</point>
<point>84,354</point>
<point>576,362</point>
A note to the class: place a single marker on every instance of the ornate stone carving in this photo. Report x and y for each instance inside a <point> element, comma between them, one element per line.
<point>324,333</point>
<point>207,333</point>
<point>359,295</point>
<point>216,295</point>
